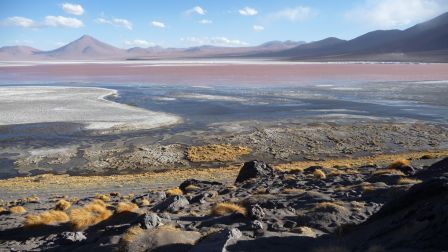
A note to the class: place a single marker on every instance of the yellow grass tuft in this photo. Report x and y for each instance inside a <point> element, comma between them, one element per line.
<point>3,210</point>
<point>145,202</point>
<point>399,163</point>
<point>17,210</point>
<point>32,199</point>
<point>227,208</point>
<point>132,233</point>
<point>46,218</point>
<point>90,214</point>
<point>293,191</point>
<point>329,207</point>
<point>191,188</point>
<point>305,231</point>
<point>62,205</point>
<point>126,207</point>
<point>103,197</point>
<point>388,171</point>
<point>216,152</point>
<point>319,174</point>
<point>174,192</point>
<point>115,194</point>
<point>406,181</point>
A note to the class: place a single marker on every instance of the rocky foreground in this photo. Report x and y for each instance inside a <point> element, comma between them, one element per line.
<point>400,207</point>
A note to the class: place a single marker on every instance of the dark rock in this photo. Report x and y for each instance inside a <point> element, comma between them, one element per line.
<point>419,220</point>
<point>435,170</point>
<point>256,212</point>
<point>258,227</point>
<point>389,179</point>
<point>200,183</point>
<point>72,237</point>
<point>406,169</point>
<point>172,204</point>
<point>289,224</point>
<point>218,241</point>
<point>150,220</point>
<point>254,169</point>
<point>311,169</point>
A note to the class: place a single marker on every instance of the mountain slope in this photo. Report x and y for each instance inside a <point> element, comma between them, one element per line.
<point>86,47</point>
<point>17,52</point>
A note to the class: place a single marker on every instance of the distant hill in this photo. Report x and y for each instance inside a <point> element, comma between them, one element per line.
<point>426,42</point>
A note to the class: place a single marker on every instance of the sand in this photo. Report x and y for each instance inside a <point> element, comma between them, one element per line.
<point>87,106</point>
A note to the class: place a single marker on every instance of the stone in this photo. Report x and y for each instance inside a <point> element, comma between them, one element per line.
<point>218,242</point>
<point>72,237</point>
<point>200,183</point>
<point>150,220</point>
<point>172,204</point>
<point>256,212</point>
<point>254,169</point>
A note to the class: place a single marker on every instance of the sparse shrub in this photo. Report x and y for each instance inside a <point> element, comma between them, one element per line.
<point>191,188</point>
<point>17,210</point>
<point>62,205</point>
<point>90,214</point>
<point>293,190</point>
<point>174,192</point>
<point>74,199</point>
<point>46,218</point>
<point>319,174</point>
<point>103,197</point>
<point>329,207</point>
<point>132,233</point>
<point>406,181</point>
<point>227,208</point>
<point>399,163</point>
<point>126,207</point>
<point>32,199</point>
<point>305,231</point>
<point>388,171</point>
<point>428,156</point>
<point>145,202</point>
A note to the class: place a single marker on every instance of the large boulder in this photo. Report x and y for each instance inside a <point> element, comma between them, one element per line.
<point>172,204</point>
<point>254,169</point>
<point>435,170</point>
<point>219,241</point>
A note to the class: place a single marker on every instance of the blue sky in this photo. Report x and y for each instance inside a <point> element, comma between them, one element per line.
<point>48,24</point>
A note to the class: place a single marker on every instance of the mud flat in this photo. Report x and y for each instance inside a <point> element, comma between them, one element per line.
<point>86,106</point>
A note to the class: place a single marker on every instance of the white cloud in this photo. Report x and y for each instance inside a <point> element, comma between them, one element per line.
<point>120,22</point>
<point>248,11</point>
<point>298,13</point>
<point>258,28</point>
<point>60,43</point>
<point>19,21</point>
<point>214,41</point>
<point>139,43</point>
<point>205,21</point>
<point>387,14</point>
<point>74,9</point>
<point>60,21</point>
<point>196,10</point>
<point>158,24</point>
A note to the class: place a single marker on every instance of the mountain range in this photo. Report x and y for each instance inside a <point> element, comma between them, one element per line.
<point>425,42</point>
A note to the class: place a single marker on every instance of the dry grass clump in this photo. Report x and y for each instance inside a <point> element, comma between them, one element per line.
<point>216,152</point>
<point>62,205</point>
<point>46,218</point>
<point>17,210</point>
<point>145,202</point>
<point>132,233</point>
<point>32,199</point>
<point>126,207</point>
<point>305,231</point>
<point>90,214</point>
<point>224,208</point>
<point>407,181</point>
<point>319,174</point>
<point>388,171</point>
<point>399,163</point>
<point>329,207</point>
<point>293,191</point>
<point>3,210</point>
<point>115,194</point>
<point>174,192</point>
<point>192,188</point>
<point>103,197</point>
